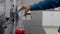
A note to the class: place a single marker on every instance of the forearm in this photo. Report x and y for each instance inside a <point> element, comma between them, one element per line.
<point>46,4</point>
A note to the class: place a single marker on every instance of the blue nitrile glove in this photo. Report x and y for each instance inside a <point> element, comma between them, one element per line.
<point>59,29</point>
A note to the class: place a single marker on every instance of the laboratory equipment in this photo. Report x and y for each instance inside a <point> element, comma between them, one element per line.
<point>20,26</point>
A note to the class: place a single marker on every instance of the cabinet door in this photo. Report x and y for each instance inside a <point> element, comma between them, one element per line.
<point>56,19</point>
<point>51,18</point>
<point>47,18</point>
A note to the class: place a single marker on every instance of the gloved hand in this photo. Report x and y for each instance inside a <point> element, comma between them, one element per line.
<point>26,7</point>
<point>59,29</point>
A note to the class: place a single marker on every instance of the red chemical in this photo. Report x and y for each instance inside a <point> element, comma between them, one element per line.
<point>20,31</point>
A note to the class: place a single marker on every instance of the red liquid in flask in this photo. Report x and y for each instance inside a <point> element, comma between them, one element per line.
<point>20,31</point>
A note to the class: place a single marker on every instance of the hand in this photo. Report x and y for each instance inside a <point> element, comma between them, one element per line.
<point>26,7</point>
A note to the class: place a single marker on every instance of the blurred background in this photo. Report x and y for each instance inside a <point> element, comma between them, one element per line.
<point>42,22</point>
